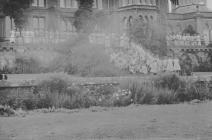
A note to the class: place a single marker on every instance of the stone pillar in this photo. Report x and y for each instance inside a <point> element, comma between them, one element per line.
<point>210,35</point>
<point>163,10</point>
<point>120,3</point>
<point>198,24</point>
<point>9,26</point>
<point>2,27</point>
<point>100,4</point>
<point>154,2</point>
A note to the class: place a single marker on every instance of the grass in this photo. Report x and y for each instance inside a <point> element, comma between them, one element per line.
<point>157,122</point>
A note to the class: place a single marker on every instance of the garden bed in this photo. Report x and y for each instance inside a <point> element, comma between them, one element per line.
<point>74,92</point>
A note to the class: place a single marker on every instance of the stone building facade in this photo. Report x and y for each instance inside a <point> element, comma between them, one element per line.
<point>51,15</point>
<point>191,13</point>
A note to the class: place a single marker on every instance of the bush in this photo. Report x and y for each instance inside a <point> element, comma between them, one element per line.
<point>29,104</point>
<point>54,84</point>
<point>122,101</point>
<point>194,90</point>
<point>58,93</point>
<point>169,81</point>
<point>149,94</point>
<point>168,89</point>
<point>142,93</point>
<point>6,111</point>
<point>149,35</point>
<point>165,96</point>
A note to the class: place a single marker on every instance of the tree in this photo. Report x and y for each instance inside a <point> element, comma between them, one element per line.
<point>148,35</point>
<point>84,16</point>
<point>15,10</point>
<point>189,30</point>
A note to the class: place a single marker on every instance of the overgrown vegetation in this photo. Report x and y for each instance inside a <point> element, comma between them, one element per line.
<point>15,10</point>
<point>149,35</point>
<point>196,62</point>
<point>84,16</point>
<point>169,89</point>
<point>60,93</point>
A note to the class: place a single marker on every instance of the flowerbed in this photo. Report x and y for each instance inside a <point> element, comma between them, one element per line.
<point>59,93</point>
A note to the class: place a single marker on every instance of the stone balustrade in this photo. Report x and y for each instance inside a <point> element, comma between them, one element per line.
<point>187,40</point>
<point>37,37</point>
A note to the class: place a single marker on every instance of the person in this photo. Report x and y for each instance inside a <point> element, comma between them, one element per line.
<point>177,67</point>
<point>12,37</point>
<point>169,67</point>
<point>154,67</point>
<point>3,77</point>
<point>164,63</point>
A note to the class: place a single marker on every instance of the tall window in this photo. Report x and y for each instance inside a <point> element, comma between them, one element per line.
<point>68,4</point>
<point>129,2</point>
<point>38,23</point>
<point>124,3</point>
<point>95,4</point>
<point>67,26</point>
<point>2,28</point>
<point>39,3</point>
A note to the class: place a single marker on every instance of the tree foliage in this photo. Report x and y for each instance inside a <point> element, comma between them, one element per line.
<point>149,35</point>
<point>84,16</point>
<point>15,10</point>
<point>189,30</point>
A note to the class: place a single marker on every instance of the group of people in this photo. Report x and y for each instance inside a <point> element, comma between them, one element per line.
<point>3,77</point>
<point>165,65</point>
<point>3,64</point>
<point>185,40</point>
<point>7,61</point>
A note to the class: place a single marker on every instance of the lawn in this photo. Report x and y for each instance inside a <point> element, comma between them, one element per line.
<point>144,122</point>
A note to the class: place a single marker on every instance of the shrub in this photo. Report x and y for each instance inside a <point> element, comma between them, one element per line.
<point>122,101</point>
<point>6,111</point>
<point>58,93</point>
<point>149,35</point>
<point>165,96</point>
<point>54,84</point>
<point>29,104</point>
<point>168,89</point>
<point>170,81</point>
<point>146,98</point>
<point>194,90</point>
<point>13,102</point>
<point>142,93</point>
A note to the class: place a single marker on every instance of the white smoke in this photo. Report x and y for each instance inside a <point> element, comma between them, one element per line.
<point>209,4</point>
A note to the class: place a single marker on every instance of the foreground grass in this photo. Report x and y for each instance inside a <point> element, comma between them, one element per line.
<point>146,122</point>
